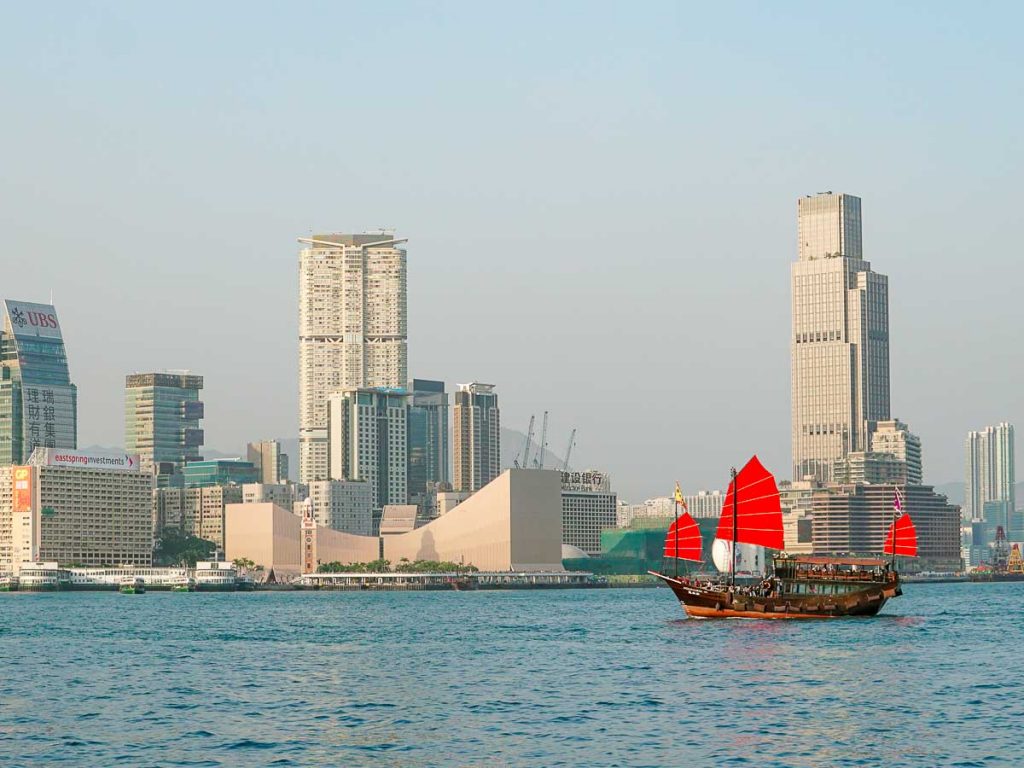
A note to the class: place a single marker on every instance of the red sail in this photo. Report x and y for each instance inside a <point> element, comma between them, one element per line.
<point>683,540</point>
<point>906,537</point>
<point>759,514</point>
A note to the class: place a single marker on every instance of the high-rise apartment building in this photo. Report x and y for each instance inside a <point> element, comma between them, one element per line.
<point>428,436</point>
<point>477,432</point>
<point>893,437</point>
<point>38,402</point>
<point>840,337</point>
<point>990,472</point>
<point>162,414</point>
<point>368,441</point>
<point>271,464</point>
<point>352,329</point>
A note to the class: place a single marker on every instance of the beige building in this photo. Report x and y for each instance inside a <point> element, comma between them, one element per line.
<point>273,537</point>
<point>796,500</point>
<point>840,337</point>
<point>343,505</point>
<point>893,437</point>
<point>352,329</point>
<point>271,464</point>
<point>513,523</point>
<point>75,507</point>
<point>283,494</point>
<point>477,436</point>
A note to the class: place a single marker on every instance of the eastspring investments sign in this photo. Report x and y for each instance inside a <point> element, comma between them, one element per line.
<point>59,457</point>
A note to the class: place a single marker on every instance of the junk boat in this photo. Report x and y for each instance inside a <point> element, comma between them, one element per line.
<point>800,587</point>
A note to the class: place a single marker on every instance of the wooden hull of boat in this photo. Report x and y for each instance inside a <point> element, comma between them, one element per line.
<point>703,603</point>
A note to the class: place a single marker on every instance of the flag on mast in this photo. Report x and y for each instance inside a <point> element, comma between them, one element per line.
<point>679,497</point>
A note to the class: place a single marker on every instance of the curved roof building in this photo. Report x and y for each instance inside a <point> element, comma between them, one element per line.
<point>38,402</point>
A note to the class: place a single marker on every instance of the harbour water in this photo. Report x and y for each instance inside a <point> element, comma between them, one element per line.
<point>548,678</point>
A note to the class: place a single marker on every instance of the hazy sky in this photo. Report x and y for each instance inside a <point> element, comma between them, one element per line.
<point>600,202</point>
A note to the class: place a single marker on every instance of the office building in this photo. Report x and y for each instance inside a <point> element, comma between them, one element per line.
<point>839,340</point>
<point>428,438</point>
<point>38,402</point>
<point>203,474</point>
<point>854,520</point>
<point>588,507</point>
<point>368,441</point>
<point>284,495</point>
<point>990,471</point>
<point>343,505</point>
<point>861,467</point>
<point>477,434</point>
<point>894,438</point>
<point>796,500</point>
<point>703,504</point>
<point>271,464</point>
<point>352,329</point>
<point>73,507</point>
<point>162,415</point>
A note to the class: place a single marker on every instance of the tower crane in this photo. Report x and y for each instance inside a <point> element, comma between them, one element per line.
<point>526,447</point>
<point>568,451</point>
<point>539,461</point>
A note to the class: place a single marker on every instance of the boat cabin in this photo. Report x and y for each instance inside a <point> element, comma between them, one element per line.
<point>829,575</point>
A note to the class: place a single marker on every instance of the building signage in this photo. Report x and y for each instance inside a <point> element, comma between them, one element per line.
<point>22,477</point>
<point>586,482</point>
<point>308,532</point>
<point>28,320</point>
<point>58,457</point>
<point>49,416</point>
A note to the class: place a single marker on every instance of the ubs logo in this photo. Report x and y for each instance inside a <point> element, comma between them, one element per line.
<point>18,318</point>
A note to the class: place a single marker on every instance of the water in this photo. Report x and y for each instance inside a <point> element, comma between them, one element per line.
<point>568,678</point>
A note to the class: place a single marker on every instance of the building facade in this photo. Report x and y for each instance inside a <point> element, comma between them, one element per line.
<point>369,441</point>
<point>38,402</point>
<point>839,340</point>
<point>343,505</point>
<point>271,464</point>
<point>894,438</point>
<point>990,473</point>
<point>203,474</point>
<point>477,435</point>
<point>352,329</point>
<point>284,495</point>
<point>854,520</point>
<point>162,415</point>
<point>72,507</point>
<point>428,438</point>
<point>589,506</point>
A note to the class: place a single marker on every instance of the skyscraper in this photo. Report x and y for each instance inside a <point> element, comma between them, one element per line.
<point>477,432</point>
<point>428,436</point>
<point>162,412</point>
<point>840,337</point>
<point>990,473</point>
<point>270,463</point>
<point>38,402</point>
<point>893,437</point>
<point>352,329</point>
<point>368,441</point>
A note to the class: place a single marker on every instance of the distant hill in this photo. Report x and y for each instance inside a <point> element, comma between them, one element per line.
<point>955,492</point>
<point>512,442</point>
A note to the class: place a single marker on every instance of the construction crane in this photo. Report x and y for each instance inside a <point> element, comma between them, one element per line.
<point>568,451</point>
<point>539,461</point>
<point>525,453</point>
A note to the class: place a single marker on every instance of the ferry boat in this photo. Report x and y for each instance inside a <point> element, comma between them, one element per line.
<point>42,577</point>
<point>8,582</point>
<point>132,585</point>
<point>800,587</point>
<point>215,576</point>
<point>153,577</point>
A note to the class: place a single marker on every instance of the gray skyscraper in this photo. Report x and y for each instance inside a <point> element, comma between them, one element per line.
<point>352,329</point>
<point>990,475</point>
<point>271,465</point>
<point>38,402</point>
<point>428,436</point>
<point>477,431</point>
<point>162,412</point>
<point>839,340</point>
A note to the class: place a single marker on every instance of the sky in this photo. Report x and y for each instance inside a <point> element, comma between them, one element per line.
<point>600,201</point>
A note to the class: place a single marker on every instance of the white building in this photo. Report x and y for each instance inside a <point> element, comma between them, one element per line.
<point>588,507</point>
<point>88,508</point>
<point>477,432</point>
<point>895,438</point>
<point>343,505</point>
<point>989,471</point>
<point>283,494</point>
<point>840,337</point>
<point>700,504</point>
<point>369,441</point>
<point>796,500</point>
<point>352,329</point>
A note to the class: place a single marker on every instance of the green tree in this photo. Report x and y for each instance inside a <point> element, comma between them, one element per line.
<point>175,548</point>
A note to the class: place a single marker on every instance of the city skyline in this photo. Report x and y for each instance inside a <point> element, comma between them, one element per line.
<point>528,267</point>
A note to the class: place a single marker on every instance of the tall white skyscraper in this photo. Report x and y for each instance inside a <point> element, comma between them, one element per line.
<point>840,337</point>
<point>352,329</point>
<point>990,472</point>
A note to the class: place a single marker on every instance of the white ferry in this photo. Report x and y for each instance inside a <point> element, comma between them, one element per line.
<point>42,577</point>
<point>112,578</point>
<point>8,582</point>
<point>215,576</point>
<point>132,585</point>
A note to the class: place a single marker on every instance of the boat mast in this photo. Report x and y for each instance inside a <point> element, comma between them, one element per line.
<point>676,553</point>
<point>735,527</point>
